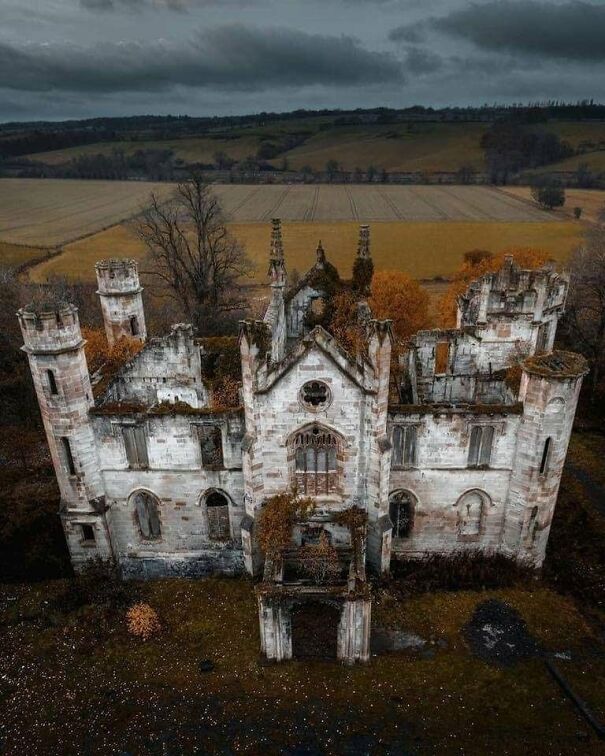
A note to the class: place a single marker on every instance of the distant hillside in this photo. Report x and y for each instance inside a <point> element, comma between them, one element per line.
<point>360,144</point>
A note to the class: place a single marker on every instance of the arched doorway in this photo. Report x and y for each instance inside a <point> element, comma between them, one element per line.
<point>315,630</point>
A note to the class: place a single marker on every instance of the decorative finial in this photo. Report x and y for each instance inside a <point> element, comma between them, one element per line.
<point>363,247</point>
<point>321,255</point>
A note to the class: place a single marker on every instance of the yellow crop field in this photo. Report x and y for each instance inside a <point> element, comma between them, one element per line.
<point>13,255</point>
<point>50,212</point>
<point>425,250</point>
<point>590,200</point>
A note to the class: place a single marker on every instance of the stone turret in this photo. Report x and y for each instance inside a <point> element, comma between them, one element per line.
<point>550,387</point>
<point>363,267</point>
<point>55,350</point>
<point>121,299</point>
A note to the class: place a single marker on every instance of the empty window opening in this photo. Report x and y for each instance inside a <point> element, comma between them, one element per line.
<point>470,514</point>
<point>147,513</point>
<point>217,507</point>
<point>442,349</point>
<point>533,524</point>
<point>88,533</point>
<point>316,462</point>
<point>315,395</point>
<point>545,456</point>
<point>52,383</point>
<point>401,512</point>
<point>135,444</point>
<point>480,449</point>
<point>542,340</point>
<point>134,325</point>
<point>211,446</point>
<point>404,445</point>
<point>68,457</point>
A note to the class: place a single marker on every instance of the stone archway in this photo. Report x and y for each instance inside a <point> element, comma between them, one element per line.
<point>315,630</point>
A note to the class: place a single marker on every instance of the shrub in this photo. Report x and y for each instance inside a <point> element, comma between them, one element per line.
<point>320,561</point>
<point>548,193</point>
<point>277,518</point>
<point>577,211</point>
<point>142,621</point>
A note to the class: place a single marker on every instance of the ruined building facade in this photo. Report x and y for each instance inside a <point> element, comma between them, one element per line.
<point>464,453</point>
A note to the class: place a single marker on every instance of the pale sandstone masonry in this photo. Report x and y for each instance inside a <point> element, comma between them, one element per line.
<point>465,453</point>
<point>121,298</point>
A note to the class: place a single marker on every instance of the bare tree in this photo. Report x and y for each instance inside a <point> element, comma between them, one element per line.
<point>586,306</point>
<point>193,254</point>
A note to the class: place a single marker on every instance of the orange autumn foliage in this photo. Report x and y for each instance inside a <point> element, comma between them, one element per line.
<point>400,298</point>
<point>99,353</point>
<point>526,257</point>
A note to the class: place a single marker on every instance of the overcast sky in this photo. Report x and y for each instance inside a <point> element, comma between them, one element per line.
<point>80,58</point>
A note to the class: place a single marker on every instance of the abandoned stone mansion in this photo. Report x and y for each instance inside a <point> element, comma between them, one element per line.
<point>465,452</point>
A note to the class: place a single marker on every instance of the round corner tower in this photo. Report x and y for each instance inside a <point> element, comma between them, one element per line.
<point>121,299</point>
<point>550,388</point>
<point>55,349</point>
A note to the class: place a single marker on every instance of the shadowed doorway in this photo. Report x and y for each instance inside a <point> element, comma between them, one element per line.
<point>314,630</point>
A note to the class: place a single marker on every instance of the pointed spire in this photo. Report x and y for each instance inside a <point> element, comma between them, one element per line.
<point>277,263</point>
<point>277,245</point>
<point>321,255</point>
<point>363,247</point>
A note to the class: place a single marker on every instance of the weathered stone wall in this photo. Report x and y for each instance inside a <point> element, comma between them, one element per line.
<point>167,369</point>
<point>442,476</point>
<point>177,478</point>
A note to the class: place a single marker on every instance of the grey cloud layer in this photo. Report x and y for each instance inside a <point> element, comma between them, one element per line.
<point>230,56</point>
<point>570,30</point>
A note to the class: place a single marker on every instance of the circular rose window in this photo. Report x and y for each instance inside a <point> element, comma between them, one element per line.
<point>315,395</point>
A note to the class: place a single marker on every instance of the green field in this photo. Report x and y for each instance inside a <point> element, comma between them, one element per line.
<point>422,146</point>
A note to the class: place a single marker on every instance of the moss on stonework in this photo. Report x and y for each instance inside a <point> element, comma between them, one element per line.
<point>164,408</point>
<point>557,364</point>
<point>458,409</point>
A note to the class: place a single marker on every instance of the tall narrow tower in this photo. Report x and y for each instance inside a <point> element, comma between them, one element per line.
<point>121,299</point>
<point>550,387</point>
<point>276,312</point>
<point>55,350</point>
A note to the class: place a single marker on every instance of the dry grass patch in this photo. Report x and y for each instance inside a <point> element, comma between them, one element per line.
<point>424,250</point>
<point>14,255</point>
<point>590,200</point>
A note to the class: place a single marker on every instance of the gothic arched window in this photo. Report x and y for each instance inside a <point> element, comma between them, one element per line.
<point>147,511</point>
<point>316,468</point>
<point>217,510</point>
<point>471,511</point>
<point>402,506</point>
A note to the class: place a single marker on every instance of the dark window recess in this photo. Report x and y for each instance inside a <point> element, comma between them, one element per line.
<point>217,506</point>
<point>480,449</point>
<point>135,444</point>
<point>442,350</point>
<point>88,533</point>
<point>404,445</point>
<point>52,383</point>
<point>401,512</point>
<point>533,524</point>
<point>134,325</point>
<point>543,334</point>
<point>315,458</point>
<point>545,456</point>
<point>315,394</point>
<point>470,513</point>
<point>68,456</point>
<point>211,445</point>
<point>148,515</point>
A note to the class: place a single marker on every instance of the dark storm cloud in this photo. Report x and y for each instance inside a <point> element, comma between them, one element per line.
<point>571,30</point>
<point>421,61</point>
<point>175,5</point>
<point>233,56</point>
